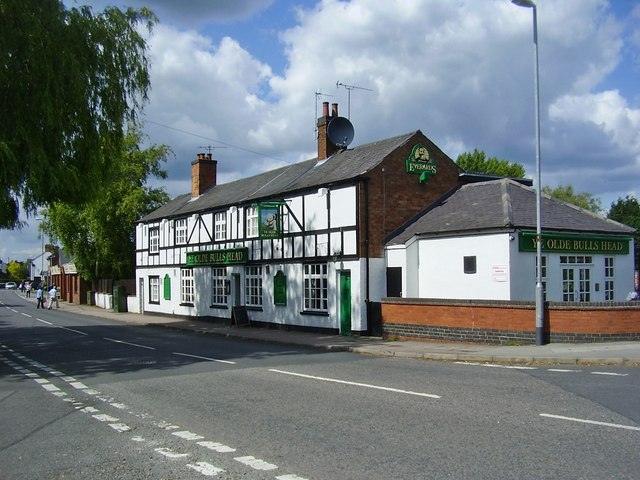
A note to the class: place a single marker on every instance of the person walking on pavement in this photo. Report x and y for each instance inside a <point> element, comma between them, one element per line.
<point>39,296</point>
<point>53,297</point>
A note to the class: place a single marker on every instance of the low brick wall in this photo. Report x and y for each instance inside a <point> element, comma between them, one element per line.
<point>508,322</point>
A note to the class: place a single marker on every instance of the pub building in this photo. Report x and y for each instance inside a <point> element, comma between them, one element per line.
<point>318,244</point>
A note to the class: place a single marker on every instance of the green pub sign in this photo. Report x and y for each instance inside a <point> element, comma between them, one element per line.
<point>269,220</point>
<point>421,163</point>
<point>567,243</point>
<point>230,256</point>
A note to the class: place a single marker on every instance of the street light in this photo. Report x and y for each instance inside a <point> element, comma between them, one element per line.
<point>42,251</point>
<point>539,289</point>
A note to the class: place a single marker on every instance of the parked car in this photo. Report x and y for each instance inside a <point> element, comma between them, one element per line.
<point>11,285</point>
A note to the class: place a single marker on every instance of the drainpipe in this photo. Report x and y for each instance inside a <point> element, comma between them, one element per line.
<point>367,252</point>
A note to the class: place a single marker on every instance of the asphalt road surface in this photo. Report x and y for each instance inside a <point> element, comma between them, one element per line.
<point>83,397</point>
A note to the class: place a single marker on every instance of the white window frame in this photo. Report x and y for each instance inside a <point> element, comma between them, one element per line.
<point>219,286</point>
<point>252,221</point>
<point>220,226</point>
<point>316,287</point>
<point>253,286</point>
<point>154,289</point>
<point>154,240</point>
<point>187,286</point>
<point>181,228</point>
<point>609,274</point>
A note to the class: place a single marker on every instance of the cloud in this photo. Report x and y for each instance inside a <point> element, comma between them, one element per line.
<point>461,71</point>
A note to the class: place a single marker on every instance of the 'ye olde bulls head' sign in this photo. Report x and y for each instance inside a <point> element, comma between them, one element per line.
<point>421,163</point>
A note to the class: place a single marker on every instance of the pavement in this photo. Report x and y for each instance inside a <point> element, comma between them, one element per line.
<point>610,353</point>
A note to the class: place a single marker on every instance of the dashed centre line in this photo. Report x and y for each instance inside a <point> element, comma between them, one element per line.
<point>356,384</point>
<point>128,343</point>
<point>204,358</point>
<point>591,422</point>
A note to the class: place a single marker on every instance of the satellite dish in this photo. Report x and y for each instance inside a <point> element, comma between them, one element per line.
<point>340,132</point>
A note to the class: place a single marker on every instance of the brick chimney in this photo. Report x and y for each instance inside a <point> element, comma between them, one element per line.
<point>325,147</point>
<point>204,171</point>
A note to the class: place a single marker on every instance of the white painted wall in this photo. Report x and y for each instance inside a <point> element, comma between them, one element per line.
<point>441,268</point>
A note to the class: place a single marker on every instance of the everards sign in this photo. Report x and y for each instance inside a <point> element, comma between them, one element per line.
<point>228,256</point>
<point>420,162</point>
<point>567,243</point>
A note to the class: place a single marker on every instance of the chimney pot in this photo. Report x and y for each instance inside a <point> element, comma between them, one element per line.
<point>325,109</point>
<point>334,109</point>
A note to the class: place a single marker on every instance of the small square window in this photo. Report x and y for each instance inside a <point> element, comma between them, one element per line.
<point>470,265</point>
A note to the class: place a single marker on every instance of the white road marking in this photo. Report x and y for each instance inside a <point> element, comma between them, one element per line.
<point>562,370</point>
<point>50,387</point>
<point>256,463</point>
<point>128,343</point>
<point>44,321</point>
<point>188,435</point>
<point>610,373</point>
<point>120,427</point>
<point>72,330</point>
<point>103,417</point>
<point>204,358</point>
<point>78,385</point>
<point>89,410</point>
<point>205,468</point>
<point>290,477</point>
<point>26,314</point>
<point>512,367</point>
<point>356,384</point>
<point>120,406</point>
<point>217,447</point>
<point>167,452</point>
<point>591,422</point>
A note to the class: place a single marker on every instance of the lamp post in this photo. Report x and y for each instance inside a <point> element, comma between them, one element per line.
<point>41,252</point>
<point>539,288</point>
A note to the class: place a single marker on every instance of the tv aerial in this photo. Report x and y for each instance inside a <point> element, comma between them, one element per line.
<point>349,88</point>
<point>209,148</point>
<point>318,94</point>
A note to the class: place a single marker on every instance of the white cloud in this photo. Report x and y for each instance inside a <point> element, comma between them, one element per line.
<point>461,71</point>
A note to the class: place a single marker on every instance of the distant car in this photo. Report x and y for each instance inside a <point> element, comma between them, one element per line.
<point>11,285</point>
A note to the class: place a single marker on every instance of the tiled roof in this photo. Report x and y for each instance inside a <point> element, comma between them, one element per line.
<point>500,204</point>
<point>342,166</point>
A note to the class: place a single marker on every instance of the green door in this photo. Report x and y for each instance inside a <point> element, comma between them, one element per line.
<point>345,303</point>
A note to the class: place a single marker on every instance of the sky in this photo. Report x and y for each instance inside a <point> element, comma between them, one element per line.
<point>247,78</point>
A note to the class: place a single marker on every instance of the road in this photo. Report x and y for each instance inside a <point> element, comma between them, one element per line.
<point>83,397</point>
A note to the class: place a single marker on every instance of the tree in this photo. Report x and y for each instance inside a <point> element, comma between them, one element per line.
<point>627,211</point>
<point>476,162</point>
<point>566,194</point>
<point>100,235</point>
<point>70,81</point>
<point>17,271</point>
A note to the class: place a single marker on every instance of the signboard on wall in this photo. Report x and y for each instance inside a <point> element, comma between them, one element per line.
<point>229,256</point>
<point>421,163</point>
<point>269,220</point>
<point>568,243</point>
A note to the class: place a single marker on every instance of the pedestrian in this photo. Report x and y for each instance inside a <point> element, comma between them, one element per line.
<point>53,297</point>
<point>28,290</point>
<point>39,297</point>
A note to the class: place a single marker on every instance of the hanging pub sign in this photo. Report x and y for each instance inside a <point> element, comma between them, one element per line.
<point>269,220</point>
<point>421,163</point>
